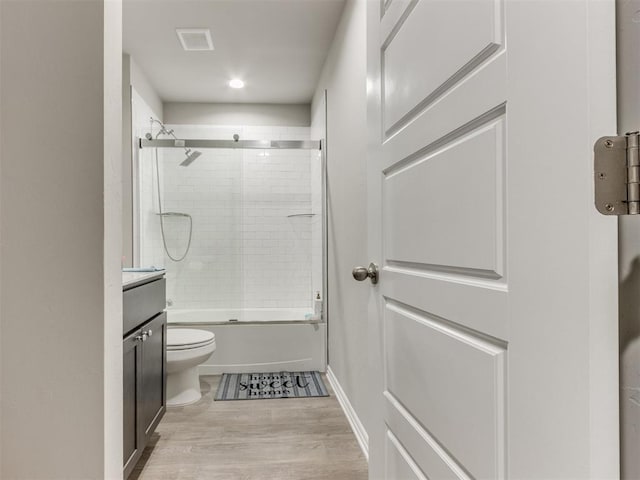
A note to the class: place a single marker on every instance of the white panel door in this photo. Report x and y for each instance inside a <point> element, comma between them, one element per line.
<point>493,328</point>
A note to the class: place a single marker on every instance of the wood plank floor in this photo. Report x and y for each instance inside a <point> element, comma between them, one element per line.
<point>287,439</point>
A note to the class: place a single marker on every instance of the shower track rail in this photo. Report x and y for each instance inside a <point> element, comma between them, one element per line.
<point>249,144</point>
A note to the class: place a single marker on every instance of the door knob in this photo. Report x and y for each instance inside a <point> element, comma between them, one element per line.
<point>362,273</point>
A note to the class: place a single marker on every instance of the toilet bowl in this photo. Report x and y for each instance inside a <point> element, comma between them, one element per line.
<point>186,349</point>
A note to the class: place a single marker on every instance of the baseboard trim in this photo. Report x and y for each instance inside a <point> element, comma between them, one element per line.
<point>356,425</point>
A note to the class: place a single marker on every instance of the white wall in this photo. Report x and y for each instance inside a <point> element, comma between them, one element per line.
<point>249,114</point>
<point>60,331</point>
<point>112,234</point>
<point>145,89</point>
<point>629,247</point>
<point>344,78</point>
<point>1,383</point>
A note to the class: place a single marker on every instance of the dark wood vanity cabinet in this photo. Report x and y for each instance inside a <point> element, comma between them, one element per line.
<point>132,389</point>
<point>144,368</point>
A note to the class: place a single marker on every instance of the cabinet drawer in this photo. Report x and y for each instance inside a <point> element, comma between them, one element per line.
<point>141,303</point>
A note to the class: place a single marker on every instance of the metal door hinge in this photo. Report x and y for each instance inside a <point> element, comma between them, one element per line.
<point>617,174</point>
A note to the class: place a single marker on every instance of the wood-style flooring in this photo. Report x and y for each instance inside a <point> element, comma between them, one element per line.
<point>286,439</point>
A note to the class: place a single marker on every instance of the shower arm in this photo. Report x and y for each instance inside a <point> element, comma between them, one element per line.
<point>163,128</point>
<point>164,131</point>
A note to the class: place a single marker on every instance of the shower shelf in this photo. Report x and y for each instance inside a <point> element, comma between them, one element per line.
<point>309,215</point>
<point>173,214</point>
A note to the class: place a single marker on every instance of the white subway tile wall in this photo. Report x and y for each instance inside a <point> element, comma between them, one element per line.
<point>246,250</point>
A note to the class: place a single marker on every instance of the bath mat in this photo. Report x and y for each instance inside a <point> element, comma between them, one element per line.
<point>257,386</point>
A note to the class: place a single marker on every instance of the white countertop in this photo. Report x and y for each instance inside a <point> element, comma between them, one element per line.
<point>131,278</point>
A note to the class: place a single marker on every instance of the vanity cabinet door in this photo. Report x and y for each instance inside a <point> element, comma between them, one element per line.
<point>134,440</point>
<point>154,374</point>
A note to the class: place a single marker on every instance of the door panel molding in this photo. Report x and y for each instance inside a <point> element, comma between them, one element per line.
<point>485,309</point>
<point>396,14</point>
<point>432,458</point>
<point>466,388</point>
<point>461,221</point>
<point>478,277</point>
<point>400,465</point>
<point>445,119</point>
<point>467,37</point>
<point>474,338</point>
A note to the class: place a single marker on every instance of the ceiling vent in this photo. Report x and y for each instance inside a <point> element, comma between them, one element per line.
<point>195,39</point>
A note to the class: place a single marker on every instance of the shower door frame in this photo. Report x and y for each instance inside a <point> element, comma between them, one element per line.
<point>310,145</point>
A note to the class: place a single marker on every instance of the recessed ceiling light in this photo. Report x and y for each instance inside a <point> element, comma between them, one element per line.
<point>236,83</point>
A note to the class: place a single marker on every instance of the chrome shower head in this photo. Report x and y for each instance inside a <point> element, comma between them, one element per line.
<point>191,156</point>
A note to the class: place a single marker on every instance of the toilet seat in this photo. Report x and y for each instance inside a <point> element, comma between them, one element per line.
<point>188,338</point>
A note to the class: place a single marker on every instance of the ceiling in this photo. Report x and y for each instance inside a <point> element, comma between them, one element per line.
<point>277,47</point>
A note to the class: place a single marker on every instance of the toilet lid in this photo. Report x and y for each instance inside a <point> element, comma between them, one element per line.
<point>182,338</point>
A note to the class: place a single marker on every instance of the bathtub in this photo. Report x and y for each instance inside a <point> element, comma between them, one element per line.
<point>257,340</point>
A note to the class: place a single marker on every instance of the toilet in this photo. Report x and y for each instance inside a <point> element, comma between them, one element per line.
<point>186,349</point>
